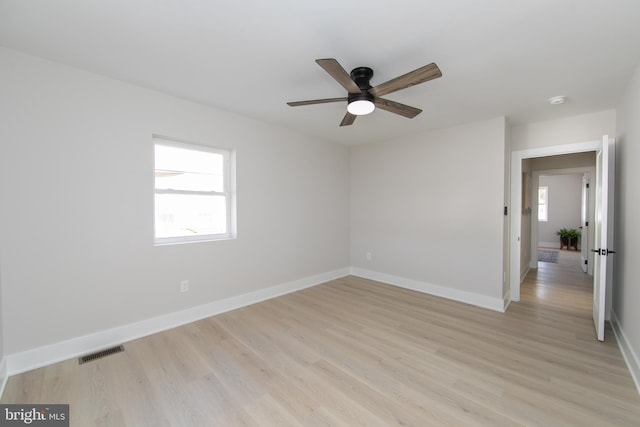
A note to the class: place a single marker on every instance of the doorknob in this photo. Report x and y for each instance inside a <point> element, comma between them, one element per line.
<point>603,251</point>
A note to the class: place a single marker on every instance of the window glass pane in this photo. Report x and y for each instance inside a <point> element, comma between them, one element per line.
<point>169,158</point>
<point>185,169</point>
<point>179,215</point>
<point>168,180</point>
<point>542,195</point>
<point>543,211</point>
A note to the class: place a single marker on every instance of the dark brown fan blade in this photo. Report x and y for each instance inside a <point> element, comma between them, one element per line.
<point>415,77</point>
<point>395,107</point>
<point>315,101</point>
<point>348,119</point>
<point>336,71</point>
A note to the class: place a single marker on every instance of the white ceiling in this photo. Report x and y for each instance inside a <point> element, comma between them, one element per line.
<point>498,57</point>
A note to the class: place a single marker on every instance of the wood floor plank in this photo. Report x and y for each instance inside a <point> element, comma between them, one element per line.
<point>353,352</point>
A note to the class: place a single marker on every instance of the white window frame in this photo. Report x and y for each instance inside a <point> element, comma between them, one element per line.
<point>545,217</point>
<point>228,193</point>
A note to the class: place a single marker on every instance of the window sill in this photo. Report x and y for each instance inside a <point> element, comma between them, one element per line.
<point>170,241</point>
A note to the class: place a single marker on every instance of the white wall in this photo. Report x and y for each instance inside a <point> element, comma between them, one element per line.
<point>582,128</point>
<point>76,178</point>
<point>626,292</point>
<point>429,209</point>
<point>564,206</point>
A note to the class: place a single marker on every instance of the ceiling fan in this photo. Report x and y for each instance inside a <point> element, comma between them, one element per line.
<point>363,98</point>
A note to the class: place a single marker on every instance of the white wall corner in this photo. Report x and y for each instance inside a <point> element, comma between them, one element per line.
<point>42,356</point>
<point>4,376</point>
<point>627,350</point>
<point>496,304</point>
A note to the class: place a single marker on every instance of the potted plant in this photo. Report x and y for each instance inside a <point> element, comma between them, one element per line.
<point>568,237</point>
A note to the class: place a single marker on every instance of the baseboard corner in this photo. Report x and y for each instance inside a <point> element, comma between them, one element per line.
<point>483,301</point>
<point>628,353</point>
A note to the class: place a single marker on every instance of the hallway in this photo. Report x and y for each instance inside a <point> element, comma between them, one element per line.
<point>560,286</point>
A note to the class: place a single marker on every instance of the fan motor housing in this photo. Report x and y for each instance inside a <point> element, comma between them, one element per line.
<point>361,76</point>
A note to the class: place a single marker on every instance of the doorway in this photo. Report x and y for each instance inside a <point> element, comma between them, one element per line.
<point>521,252</point>
<point>557,274</point>
<point>559,277</point>
<point>569,204</point>
<point>603,222</point>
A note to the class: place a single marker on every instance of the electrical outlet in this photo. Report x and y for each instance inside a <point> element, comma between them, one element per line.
<point>368,256</point>
<point>184,286</point>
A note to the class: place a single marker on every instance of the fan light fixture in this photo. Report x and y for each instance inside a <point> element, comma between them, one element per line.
<point>361,107</point>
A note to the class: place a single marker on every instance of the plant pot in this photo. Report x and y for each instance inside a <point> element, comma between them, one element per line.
<point>569,243</point>
<point>574,243</point>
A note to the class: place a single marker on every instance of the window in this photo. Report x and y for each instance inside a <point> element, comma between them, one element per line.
<point>543,206</point>
<point>192,193</point>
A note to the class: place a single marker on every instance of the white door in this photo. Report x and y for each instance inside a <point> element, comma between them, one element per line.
<point>602,273</point>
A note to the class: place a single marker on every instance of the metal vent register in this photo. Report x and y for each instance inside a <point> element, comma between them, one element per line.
<point>100,354</point>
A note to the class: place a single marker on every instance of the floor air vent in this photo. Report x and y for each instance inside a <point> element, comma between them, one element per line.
<point>100,354</point>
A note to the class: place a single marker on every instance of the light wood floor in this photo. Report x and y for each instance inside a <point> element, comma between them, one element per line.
<point>353,352</point>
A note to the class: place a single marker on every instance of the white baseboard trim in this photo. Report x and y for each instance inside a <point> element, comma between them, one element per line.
<point>496,304</point>
<point>554,246</point>
<point>42,356</point>
<point>550,245</point>
<point>629,354</point>
<point>4,376</point>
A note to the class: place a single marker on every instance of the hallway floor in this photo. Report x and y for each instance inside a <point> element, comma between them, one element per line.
<point>561,286</point>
